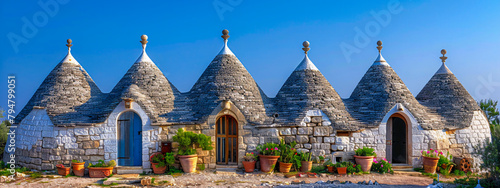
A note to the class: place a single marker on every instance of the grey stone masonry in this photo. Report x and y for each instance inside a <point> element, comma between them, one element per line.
<point>307,90</point>
<point>381,89</point>
<point>67,93</point>
<point>227,79</point>
<point>445,94</point>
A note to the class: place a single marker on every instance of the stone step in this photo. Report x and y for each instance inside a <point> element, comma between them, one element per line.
<point>129,170</point>
<point>226,169</point>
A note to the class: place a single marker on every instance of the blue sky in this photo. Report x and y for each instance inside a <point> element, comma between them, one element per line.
<point>267,36</point>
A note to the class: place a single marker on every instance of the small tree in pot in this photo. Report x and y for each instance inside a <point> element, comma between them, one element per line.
<point>287,152</point>
<point>364,157</point>
<point>187,152</point>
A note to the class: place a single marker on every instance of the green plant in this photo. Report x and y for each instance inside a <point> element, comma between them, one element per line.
<point>446,160</point>
<point>76,161</point>
<point>383,166</point>
<point>365,151</point>
<point>305,156</point>
<point>187,140</point>
<point>101,163</point>
<point>431,153</point>
<point>286,151</point>
<point>343,164</point>
<point>490,154</point>
<point>319,169</point>
<point>268,149</point>
<point>201,166</point>
<point>296,161</point>
<point>159,158</point>
<point>169,159</point>
<point>250,157</point>
<point>321,158</point>
<point>35,175</point>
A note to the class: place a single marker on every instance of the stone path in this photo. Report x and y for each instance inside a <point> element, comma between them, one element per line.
<point>238,179</point>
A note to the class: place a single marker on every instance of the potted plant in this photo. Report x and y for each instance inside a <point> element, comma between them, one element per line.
<point>342,167</point>
<point>305,161</point>
<point>321,159</point>
<point>353,168</point>
<point>445,163</point>
<point>287,152</point>
<point>249,161</point>
<point>430,160</point>
<point>268,154</point>
<point>187,152</point>
<point>330,166</point>
<point>158,163</point>
<point>364,157</point>
<point>63,171</point>
<point>101,169</point>
<point>78,167</point>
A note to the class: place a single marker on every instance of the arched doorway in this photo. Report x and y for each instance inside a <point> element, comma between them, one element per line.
<point>226,129</point>
<point>397,139</point>
<point>129,139</point>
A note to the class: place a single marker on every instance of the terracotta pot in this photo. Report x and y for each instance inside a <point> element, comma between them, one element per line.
<point>331,169</point>
<point>100,172</point>
<point>430,164</point>
<point>158,170</point>
<point>249,166</point>
<point>443,166</point>
<point>267,162</point>
<point>188,162</point>
<point>365,162</point>
<point>306,166</point>
<point>285,167</point>
<point>63,171</point>
<point>342,170</point>
<point>78,169</point>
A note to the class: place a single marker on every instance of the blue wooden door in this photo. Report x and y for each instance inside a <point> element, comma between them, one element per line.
<point>129,139</point>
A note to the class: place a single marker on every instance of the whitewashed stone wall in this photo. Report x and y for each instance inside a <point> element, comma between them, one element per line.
<point>40,145</point>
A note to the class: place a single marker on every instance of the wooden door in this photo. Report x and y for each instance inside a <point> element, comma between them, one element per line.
<point>129,139</point>
<point>227,140</point>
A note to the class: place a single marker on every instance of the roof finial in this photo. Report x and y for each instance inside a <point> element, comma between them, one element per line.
<point>443,58</point>
<point>225,34</point>
<point>144,41</point>
<point>306,46</point>
<point>379,47</point>
<point>69,44</point>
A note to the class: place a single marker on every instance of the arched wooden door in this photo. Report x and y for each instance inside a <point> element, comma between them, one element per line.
<point>227,140</point>
<point>129,139</point>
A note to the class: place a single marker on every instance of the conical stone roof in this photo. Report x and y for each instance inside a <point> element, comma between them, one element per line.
<point>379,91</point>
<point>226,78</point>
<point>145,83</point>
<point>307,89</point>
<point>66,93</point>
<point>445,94</point>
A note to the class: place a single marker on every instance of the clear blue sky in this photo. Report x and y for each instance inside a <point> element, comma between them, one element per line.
<point>267,36</point>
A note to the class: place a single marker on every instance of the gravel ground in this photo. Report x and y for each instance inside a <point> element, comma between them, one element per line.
<point>212,179</point>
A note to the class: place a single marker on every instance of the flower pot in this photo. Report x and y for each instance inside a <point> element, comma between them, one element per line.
<point>188,162</point>
<point>285,167</point>
<point>306,166</point>
<point>430,164</point>
<point>365,162</point>
<point>158,170</point>
<point>63,171</point>
<point>331,169</point>
<point>342,170</point>
<point>249,166</point>
<point>78,169</point>
<point>448,168</point>
<point>100,172</point>
<point>267,162</point>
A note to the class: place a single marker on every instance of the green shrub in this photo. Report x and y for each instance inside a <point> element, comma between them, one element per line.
<point>287,151</point>
<point>490,154</point>
<point>305,156</point>
<point>169,158</point>
<point>187,140</point>
<point>76,161</point>
<point>159,158</point>
<point>101,163</point>
<point>365,151</point>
